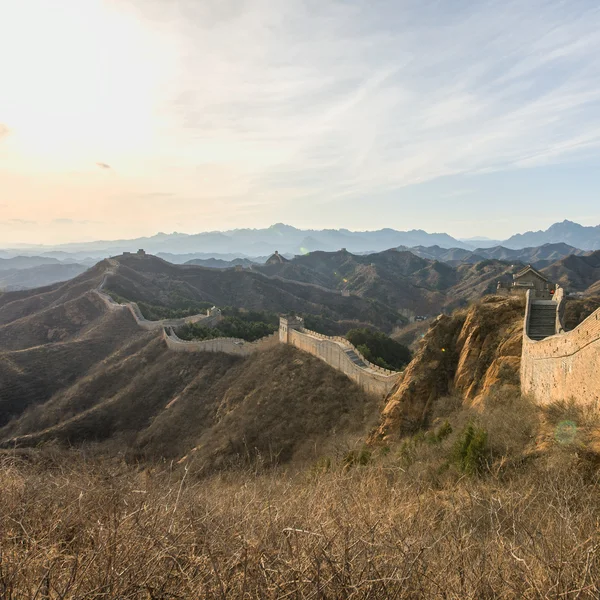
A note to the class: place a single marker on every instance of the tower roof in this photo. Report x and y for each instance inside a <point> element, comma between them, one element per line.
<point>529,269</point>
<point>275,259</point>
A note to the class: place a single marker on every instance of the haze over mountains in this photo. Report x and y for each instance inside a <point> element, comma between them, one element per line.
<point>30,267</point>
<point>291,241</point>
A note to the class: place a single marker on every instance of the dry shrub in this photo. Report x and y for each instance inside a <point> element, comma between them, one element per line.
<point>73,527</point>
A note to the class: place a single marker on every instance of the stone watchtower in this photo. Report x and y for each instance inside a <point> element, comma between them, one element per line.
<point>287,324</point>
<point>526,279</point>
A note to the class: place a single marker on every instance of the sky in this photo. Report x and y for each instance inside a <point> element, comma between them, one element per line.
<point>122,118</point>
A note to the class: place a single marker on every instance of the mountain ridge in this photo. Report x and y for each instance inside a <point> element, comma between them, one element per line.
<point>253,242</point>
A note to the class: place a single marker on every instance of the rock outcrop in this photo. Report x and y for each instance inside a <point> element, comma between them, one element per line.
<point>468,355</point>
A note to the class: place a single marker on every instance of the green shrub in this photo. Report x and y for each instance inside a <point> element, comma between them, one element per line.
<point>356,458</point>
<point>154,312</point>
<point>471,451</point>
<point>245,325</point>
<point>379,348</point>
<point>443,431</point>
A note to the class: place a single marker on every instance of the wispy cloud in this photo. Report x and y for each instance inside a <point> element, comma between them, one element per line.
<point>67,221</point>
<point>19,222</point>
<point>332,99</point>
<point>4,130</point>
<point>156,195</point>
<point>103,165</point>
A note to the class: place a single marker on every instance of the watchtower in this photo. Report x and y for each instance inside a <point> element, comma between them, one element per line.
<point>287,324</point>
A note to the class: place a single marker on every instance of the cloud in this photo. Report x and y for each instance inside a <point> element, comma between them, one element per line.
<point>67,221</point>
<point>352,99</point>
<point>19,222</point>
<point>103,165</point>
<point>156,195</point>
<point>4,130</point>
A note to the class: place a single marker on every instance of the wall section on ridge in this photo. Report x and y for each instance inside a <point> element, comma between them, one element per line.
<point>563,366</point>
<point>333,354</point>
<point>234,346</point>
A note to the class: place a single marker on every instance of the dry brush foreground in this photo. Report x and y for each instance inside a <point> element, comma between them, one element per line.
<point>73,527</point>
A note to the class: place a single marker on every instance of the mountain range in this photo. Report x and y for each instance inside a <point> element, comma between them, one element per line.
<point>567,232</point>
<point>288,240</point>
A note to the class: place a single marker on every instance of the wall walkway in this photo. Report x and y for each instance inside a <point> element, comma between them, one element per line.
<point>134,309</point>
<point>337,352</point>
<point>563,366</point>
<point>343,356</point>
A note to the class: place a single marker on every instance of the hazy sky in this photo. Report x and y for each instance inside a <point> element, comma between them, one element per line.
<point>123,118</point>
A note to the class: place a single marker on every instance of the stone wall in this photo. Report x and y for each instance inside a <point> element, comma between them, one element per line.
<point>233,346</point>
<point>372,378</point>
<point>563,366</point>
<point>346,344</point>
<point>328,350</point>
<point>134,309</point>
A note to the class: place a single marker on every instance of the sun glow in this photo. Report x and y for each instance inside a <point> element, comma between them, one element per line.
<point>80,84</point>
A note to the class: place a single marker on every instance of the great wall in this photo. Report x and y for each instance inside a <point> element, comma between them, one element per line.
<point>335,351</point>
<point>561,366</point>
<point>555,365</point>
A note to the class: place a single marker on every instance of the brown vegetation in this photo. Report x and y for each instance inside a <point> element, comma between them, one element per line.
<point>402,522</point>
<point>577,310</point>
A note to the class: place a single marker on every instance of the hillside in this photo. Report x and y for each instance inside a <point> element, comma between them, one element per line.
<point>155,281</point>
<point>38,276</point>
<point>538,256</point>
<point>74,372</point>
<point>577,273</point>
<point>399,279</point>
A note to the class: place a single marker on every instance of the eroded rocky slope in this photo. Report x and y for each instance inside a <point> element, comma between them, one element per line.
<point>469,355</point>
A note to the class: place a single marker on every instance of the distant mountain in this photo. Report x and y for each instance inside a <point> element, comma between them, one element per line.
<point>567,232</point>
<point>257,242</point>
<point>577,273</point>
<point>217,263</point>
<point>39,276</point>
<point>539,257</point>
<point>397,278</point>
<point>26,262</point>
<point>480,242</point>
<point>290,241</point>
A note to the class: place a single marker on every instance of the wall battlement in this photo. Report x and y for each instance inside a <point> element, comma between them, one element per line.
<point>565,365</point>
<point>339,355</point>
<point>234,346</point>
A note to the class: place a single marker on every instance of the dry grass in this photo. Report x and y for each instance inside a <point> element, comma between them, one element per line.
<point>77,528</point>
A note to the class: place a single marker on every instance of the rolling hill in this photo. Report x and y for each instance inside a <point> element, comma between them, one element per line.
<point>398,278</point>
<point>73,371</point>
<point>577,273</point>
<point>538,256</point>
<point>155,281</point>
<point>38,276</point>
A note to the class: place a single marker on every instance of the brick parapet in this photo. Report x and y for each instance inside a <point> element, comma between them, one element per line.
<point>344,342</point>
<point>234,346</point>
<point>332,352</point>
<point>565,365</point>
